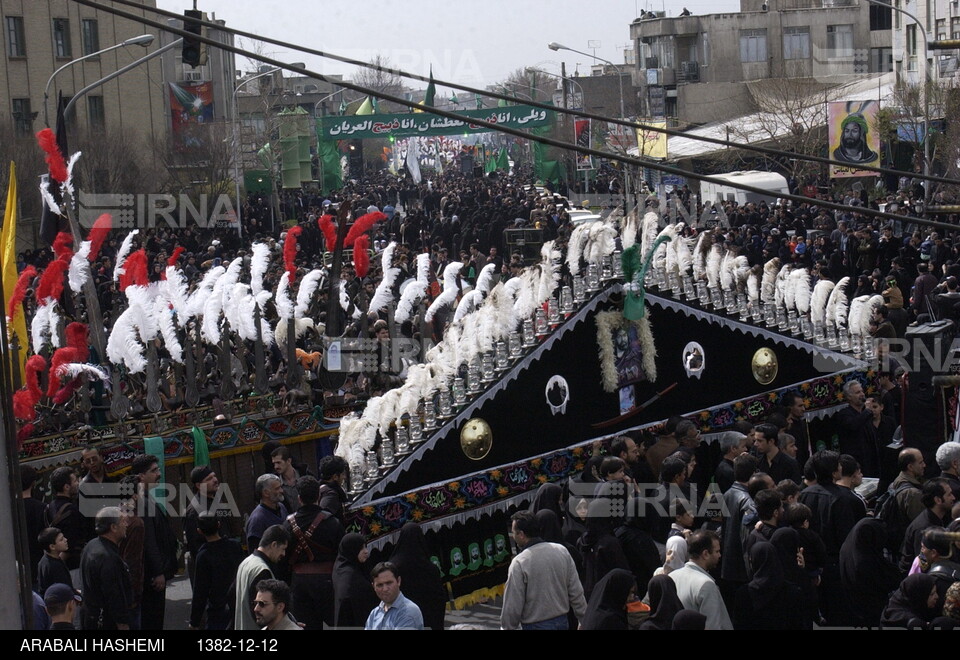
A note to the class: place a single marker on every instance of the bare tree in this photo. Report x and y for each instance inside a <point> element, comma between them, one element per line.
<point>379,81</point>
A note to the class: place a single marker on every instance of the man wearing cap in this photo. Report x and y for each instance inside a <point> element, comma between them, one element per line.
<point>104,579</point>
<point>61,602</point>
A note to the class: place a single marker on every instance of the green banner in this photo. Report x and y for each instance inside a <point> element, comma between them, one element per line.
<point>422,123</point>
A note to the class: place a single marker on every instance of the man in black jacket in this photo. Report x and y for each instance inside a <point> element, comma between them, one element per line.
<point>62,512</point>
<point>854,429</point>
<point>104,579</point>
<point>315,536</point>
<point>159,545</point>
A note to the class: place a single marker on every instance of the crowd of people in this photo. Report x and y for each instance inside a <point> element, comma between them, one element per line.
<point>791,527</point>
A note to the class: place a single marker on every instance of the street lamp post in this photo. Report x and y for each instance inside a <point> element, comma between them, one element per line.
<point>142,40</point>
<point>626,174</point>
<point>236,143</point>
<point>927,80</point>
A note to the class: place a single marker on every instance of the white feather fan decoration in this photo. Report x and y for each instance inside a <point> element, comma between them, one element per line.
<point>526,303</point>
<point>818,304</point>
<point>855,316</point>
<point>549,271</point>
<point>79,271</point>
<point>578,238</point>
<point>602,242</point>
<point>414,291</point>
<point>769,283</point>
<point>741,272</point>
<point>383,295</point>
<point>628,230</point>
<point>450,290</point>
<point>487,273</point>
<point>789,287</point>
<point>802,291</point>
<point>167,329</point>
<point>122,254</point>
<point>780,294</point>
<point>282,297</point>
<point>123,347</point>
<point>468,303</point>
<point>202,292</point>
<point>684,251</point>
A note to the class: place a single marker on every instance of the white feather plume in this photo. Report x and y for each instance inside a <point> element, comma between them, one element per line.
<point>450,290</point>
<point>383,295</point>
<point>343,295</point>
<point>601,242</point>
<point>578,238</point>
<point>79,271</point>
<point>526,303</point>
<point>487,273</point>
<point>282,297</point>
<point>174,289</point>
<point>166,328</point>
<point>68,184</point>
<point>648,234</point>
<point>714,259</point>
<point>768,284</point>
<point>700,253</point>
<point>870,305</point>
<point>200,294</point>
<point>141,300</point>
<point>726,271</point>
<point>818,303</point>
<point>40,324</point>
<point>803,291</point>
<point>47,196</point>
<point>259,262</point>
<point>415,291</point>
<point>123,346</point>
<point>468,303</point>
<point>783,278</point>
<point>628,230</point>
<point>71,370</point>
<point>549,272</point>
<point>790,288</point>
<point>308,286</point>
<point>837,304</point>
<point>122,254</point>
<point>854,317</point>
<point>684,252</point>
<point>753,286</point>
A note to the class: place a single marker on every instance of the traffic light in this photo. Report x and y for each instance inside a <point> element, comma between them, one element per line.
<point>193,51</point>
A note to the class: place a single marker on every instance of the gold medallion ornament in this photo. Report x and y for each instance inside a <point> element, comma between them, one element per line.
<point>764,366</point>
<point>476,439</point>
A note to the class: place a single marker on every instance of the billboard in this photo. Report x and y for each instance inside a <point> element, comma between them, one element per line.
<point>190,106</point>
<point>652,144</point>
<point>581,128</point>
<point>854,138</point>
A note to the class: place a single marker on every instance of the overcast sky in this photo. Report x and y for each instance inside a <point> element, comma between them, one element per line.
<point>474,43</point>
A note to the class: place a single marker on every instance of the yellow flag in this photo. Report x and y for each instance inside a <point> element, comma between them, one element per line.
<point>8,259</point>
<point>652,144</point>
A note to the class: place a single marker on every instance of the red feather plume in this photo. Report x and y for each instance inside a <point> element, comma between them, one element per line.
<point>24,407</point>
<point>135,270</point>
<point>329,232</point>
<point>361,258</point>
<point>177,251</point>
<point>290,251</point>
<point>51,282</point>
<point>20,291</point>
<point>58,166</point>
<point>64,393</point>
<point>362,226</point>
<point>78,338</point>
<point>63,245</point>
<point>98,234</point>
<point>24,434</point>
<point>35,364</point>
<point>60,357</point>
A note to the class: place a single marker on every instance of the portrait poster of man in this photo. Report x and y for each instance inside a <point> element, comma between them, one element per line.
<point>582,128</point>
<point>854,139</point>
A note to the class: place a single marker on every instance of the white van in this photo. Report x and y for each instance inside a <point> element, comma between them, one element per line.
<point>720,193</point>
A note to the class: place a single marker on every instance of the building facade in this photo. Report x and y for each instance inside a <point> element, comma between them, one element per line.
<point>697,69</point>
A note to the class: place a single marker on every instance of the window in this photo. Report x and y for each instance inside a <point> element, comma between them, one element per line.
<point>22,118</point>
<point>753,45</point>
<point>95,112</point>
<point>881,60</point>
<point>941,28</point>
<point>706,48</point>
<point>955,27</point>
<point>16,45</point>
<point>881,18</point>
<point>91,36</point>
<point>796,43</point>
<point>61,38</point>
<point>840,40</point>
<point>896,15</point>
<point>912,40</point>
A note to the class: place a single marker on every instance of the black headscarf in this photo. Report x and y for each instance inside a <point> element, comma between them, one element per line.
<point>607,609</point>
<point>419,578</point>
<point>689,620</point>
<point>591,471</point>
<point>548,497</point>
<point>786,540</point>
<point>908,605</point>
<point>868,576</point>
<point>664,603</point>
<point>354,597</point>
<point>768,579</point>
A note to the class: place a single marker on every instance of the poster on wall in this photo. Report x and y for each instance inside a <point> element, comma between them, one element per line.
<point>191,105</point>
<point>854,138</point>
